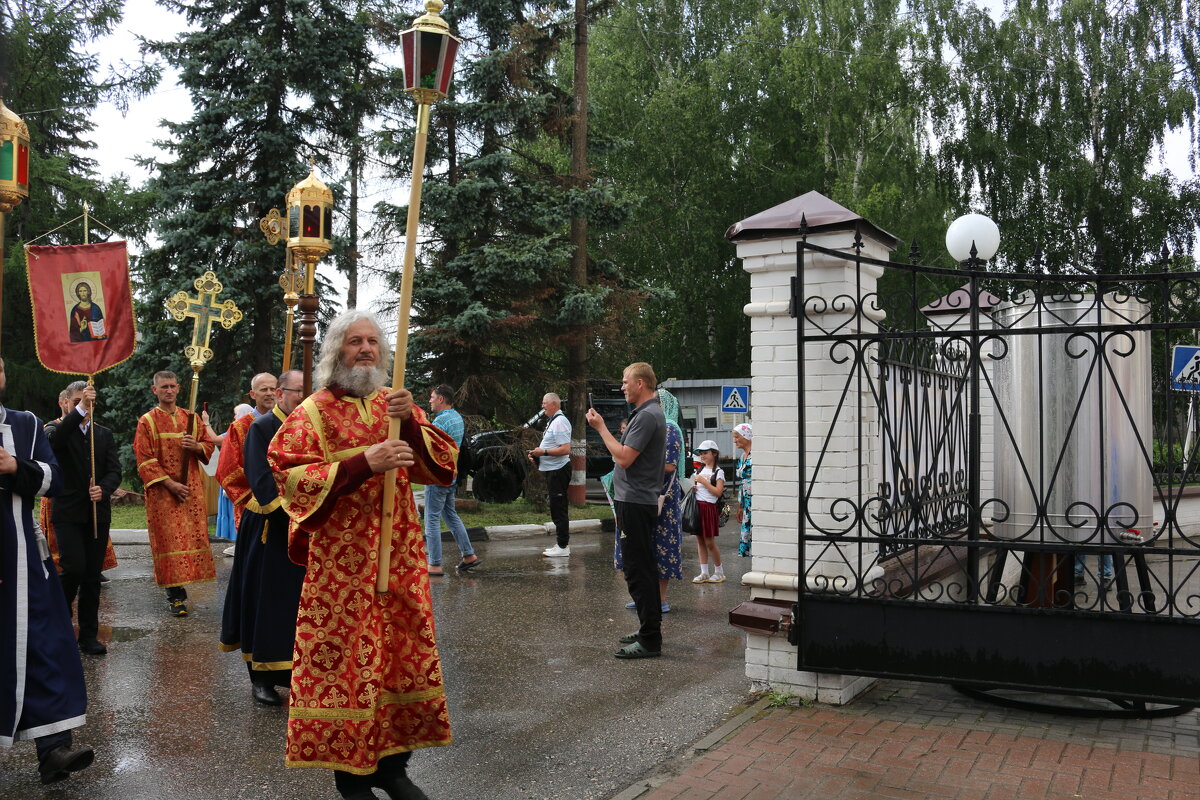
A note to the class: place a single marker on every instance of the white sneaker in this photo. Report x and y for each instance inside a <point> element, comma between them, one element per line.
<point>701,578</point>
<point>229,550</point>
<point>557,552</point>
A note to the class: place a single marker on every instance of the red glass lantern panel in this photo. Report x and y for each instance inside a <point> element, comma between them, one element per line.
<point>408,43</point>
<point>312,222</point>
<point>22,165</point>
<point>451,50</point>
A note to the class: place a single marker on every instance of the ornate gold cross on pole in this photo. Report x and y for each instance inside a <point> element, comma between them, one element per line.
<point>204,311</point>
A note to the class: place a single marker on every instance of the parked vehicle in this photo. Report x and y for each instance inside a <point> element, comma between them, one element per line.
<point>497,462</point>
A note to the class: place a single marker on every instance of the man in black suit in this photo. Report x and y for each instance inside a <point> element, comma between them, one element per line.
<point>81,544</point>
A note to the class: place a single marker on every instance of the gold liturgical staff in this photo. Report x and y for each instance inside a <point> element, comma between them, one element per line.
<point>309,239</point>
<point>429,51</point>
<point>204,311</point>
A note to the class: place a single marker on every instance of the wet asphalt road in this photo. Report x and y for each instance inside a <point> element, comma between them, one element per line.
<point>538,705</point>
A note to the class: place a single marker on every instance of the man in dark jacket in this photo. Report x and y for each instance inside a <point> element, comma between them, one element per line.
<point>81,513</point>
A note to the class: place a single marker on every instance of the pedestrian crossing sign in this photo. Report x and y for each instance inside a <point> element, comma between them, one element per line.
<point>736,399</point>
<point>1185,368</point>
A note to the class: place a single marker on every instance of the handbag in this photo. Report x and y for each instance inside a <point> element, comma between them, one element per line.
<point>690,513</point>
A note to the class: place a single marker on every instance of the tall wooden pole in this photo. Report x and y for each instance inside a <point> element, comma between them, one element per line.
<point>577,348</point>
<point>399,360</point>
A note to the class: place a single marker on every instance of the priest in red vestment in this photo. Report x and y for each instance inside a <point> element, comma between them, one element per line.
<point>367,684</point>
<point>176,512</point>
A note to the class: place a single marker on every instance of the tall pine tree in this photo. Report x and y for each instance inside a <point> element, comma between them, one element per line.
<point>262,76</point>
<point>494,303</point>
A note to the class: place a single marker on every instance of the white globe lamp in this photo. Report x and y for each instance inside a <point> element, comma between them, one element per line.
<point>976,230</point>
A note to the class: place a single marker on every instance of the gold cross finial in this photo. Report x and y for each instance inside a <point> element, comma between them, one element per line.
<point>204,310</point>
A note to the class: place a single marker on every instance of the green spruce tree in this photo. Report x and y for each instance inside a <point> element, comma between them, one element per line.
<point>262,77</point>
<point>494,303</point>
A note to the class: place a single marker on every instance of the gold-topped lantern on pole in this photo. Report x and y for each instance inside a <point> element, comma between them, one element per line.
<point>14,173</point>
<point>309,239</point>
<point>204,311</point>
<point>429,51</point>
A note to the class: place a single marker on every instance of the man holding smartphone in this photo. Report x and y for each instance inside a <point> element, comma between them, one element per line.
<point>553,459</point>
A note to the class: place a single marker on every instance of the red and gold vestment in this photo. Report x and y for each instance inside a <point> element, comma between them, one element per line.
<point>178,531</point>
<point>230,472</point>
<point>366,679</point>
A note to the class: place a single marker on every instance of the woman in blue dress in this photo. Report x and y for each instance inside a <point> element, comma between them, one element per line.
<point>668,531</point>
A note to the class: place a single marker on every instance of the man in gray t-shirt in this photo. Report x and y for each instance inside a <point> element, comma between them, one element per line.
<point>640,458</point>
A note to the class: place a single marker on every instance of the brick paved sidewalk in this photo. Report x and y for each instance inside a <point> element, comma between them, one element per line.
<point>915,741</point>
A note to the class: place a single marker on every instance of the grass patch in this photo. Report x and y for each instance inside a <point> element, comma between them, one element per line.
<point>520,512</point>
<point>128,517</point>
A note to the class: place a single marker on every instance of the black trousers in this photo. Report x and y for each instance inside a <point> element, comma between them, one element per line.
<point>45,744</point>
<point>636,523</point>
<point>81,556</point>
<point>557,482</point>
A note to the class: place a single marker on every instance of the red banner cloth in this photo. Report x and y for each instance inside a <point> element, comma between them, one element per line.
<point>83,319</point>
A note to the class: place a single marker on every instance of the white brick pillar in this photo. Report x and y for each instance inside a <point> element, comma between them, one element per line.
<point>842,433</point>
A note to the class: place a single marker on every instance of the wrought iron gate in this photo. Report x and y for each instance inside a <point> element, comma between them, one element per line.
<point>1004,425</point>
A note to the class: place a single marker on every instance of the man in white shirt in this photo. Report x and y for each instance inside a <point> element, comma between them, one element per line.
<point>553,459</point>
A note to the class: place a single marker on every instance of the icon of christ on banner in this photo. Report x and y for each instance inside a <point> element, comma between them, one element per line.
<point>84,294</point>
<point>83,320</point>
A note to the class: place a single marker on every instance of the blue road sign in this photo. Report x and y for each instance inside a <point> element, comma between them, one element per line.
<point>736,399</point>
<point>1185,368</point>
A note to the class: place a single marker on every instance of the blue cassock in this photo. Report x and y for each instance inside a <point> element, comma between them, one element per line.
<point>41,676</point>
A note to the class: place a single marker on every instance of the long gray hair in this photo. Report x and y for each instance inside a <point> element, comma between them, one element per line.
<point>335,337</point>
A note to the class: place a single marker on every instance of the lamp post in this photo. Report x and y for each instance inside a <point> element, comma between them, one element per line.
<point>310,238</point>
<point>972,236</point>
<point>429,51</point>
<point>14,174</point>
<point>972,240</point>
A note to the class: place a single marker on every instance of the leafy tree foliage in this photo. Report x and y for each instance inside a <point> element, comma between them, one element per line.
<point>723,117</point>
<point>1058,113</point>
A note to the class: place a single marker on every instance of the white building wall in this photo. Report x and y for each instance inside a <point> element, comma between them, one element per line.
<point>847,470</point>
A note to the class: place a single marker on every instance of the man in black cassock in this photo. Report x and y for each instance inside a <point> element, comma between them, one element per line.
<point>259,618</point>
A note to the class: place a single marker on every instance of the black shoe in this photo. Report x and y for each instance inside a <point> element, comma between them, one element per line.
<point>178,608</point>
<point>265,694</point>
<point>400,787</point>
<point>92,647</point>
<point>62,761</point>
<point>104,578</point>
<point>628,638</point>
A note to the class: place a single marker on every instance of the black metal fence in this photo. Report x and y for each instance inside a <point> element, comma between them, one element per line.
<point>1020,513</point>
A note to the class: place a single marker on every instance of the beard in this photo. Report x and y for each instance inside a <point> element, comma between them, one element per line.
<point>359,381</point>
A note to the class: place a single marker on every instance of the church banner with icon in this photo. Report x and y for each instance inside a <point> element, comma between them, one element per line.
<point>83,319</point>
